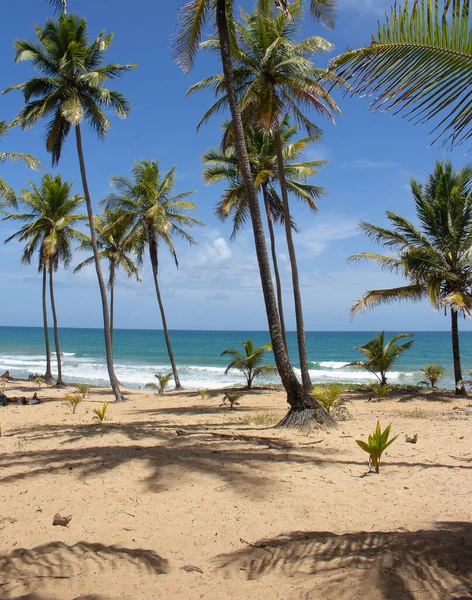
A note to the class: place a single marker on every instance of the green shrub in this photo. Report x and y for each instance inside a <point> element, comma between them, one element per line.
<point>433,373</point>
<point>203,393</point>
<point>231,400</point>
<point>330,398</point>
<point>380,391</point>
<point>101,412</point>
<point>376,445</point>
<point>73,401</point>
<point>84,389</point>
<point>162,382</point>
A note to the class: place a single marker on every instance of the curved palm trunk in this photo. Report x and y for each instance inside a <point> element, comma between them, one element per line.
<point>112,299</point>
<point>456,355</point>
<point>304,410</point>
<point>154,264</point>
<point>294,267</point>
<point>56,330</point>
<point>101,283</point>
<point>278,284</point>
<point>48,374</point>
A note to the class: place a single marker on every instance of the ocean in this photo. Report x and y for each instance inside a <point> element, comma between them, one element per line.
<point>138,354</point>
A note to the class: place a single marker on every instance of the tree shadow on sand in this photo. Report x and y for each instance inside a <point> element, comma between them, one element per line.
<point>26,570</point>
<point>402,565</point>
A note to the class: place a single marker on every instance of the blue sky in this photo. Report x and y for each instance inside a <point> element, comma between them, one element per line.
<point>371,157</point>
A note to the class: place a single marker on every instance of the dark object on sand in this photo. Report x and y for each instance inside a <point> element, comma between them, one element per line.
<point>62,521</point>
<point>412,440</point>
<point>35,399</point>
<point>5,375</point>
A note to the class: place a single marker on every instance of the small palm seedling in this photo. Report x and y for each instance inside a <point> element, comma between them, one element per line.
<point>73,401</point>
<point>101,412</point>
<point>162,382</point>
<point>376,445</point>
<point>39,380</point>
<point>84,389</point>
<point>379,391</point>
<point>231,400</point>
<point>250,364</point>
<point>330,398</point>
<point>203,393</point>
<point>433,373</point>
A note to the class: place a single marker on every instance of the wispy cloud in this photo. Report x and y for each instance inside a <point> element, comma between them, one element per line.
<point>364,163</point>
<point>317,239</point>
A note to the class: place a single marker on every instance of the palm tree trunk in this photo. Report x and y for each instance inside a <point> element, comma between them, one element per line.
<point>48,374</point>
<point>304,410</point>
<point>111,285</point>
<point>56,330</point>
<point>278,284</point>
<point>294,267</point>
<point>456,355</point>
<point>101,283</point>
<point>154,264</point>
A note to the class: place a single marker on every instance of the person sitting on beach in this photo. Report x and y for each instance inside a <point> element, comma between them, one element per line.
<point>35,399</point>
<point>5,375</point>
<point>3,399</point>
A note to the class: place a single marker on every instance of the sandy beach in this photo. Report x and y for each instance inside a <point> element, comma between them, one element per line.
<point>161,515</point>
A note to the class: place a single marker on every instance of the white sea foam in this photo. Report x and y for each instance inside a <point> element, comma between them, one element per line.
<point>332,364</point>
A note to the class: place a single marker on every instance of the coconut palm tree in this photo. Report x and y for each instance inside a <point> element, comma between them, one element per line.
<point>275,76</point>
<point>419,63</point>
<point>194,15</point>
<point>380,355</point>
<point>69,90</point>
<point>146,205</point>
<point>49,231</point>
<point>222,164</point>
<point>434,257</point>
<point>114,247</point>
<point>7,193</point>
<point>250,364</point>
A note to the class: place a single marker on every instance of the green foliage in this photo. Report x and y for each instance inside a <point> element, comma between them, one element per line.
<point>380,355</point>
<point>231,400</point>
<point>267,418</point>
<point>433,374</point>
<point>84,389</point>
<point>380,391</point>
<point>331,400</point>
<point>69,85</point>
<point>39,379</point>
<point>101,412</point>
<point>73,401</point>
<point>250,363</point>
<point>203,393</point>
<point>162,382</point>
<point>376,445</point>
<point>419,63</point>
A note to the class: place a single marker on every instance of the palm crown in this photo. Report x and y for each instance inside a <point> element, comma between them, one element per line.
<point>49,223</point>
<point>70,87</point>
<point>273,74</point>
<point>222,165</point>
<point>250,364</point>
<point>419,63</point>
<point>147,205</point>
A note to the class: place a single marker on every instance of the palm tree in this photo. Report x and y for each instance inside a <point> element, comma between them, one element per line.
<point>49,231</point>
<point>419,63</point>
<point>435,257</point>
<point>154,216</point>
<point>380,356</point>
<point>114,247</point>
<point>250,363</point>
<point>275,76</point>
<point>6,191</point>
<point>223,165</point>
<point>69,89</point>
<point>304,410</point>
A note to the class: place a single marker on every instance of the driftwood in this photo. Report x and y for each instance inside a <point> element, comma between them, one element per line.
<point>277,443</point>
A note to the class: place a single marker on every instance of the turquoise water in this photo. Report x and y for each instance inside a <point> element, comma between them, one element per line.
<point>141,353</point>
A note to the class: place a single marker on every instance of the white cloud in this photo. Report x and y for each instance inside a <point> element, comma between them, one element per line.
<point>318,238</point>
<point>210,255</point>
<point>364,163</point>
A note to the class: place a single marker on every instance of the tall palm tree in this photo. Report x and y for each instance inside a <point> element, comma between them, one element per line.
<point>49,231</point>
<point>434,257</point>
<point>380,355</point>
<point>69,89</point>
<point>223,165</point>
<point>115,247</point>
<point>304,410</point>
<point>419,63</point>
<point>154,216</point>
<point>275,76</point>
<point>7,193</point>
